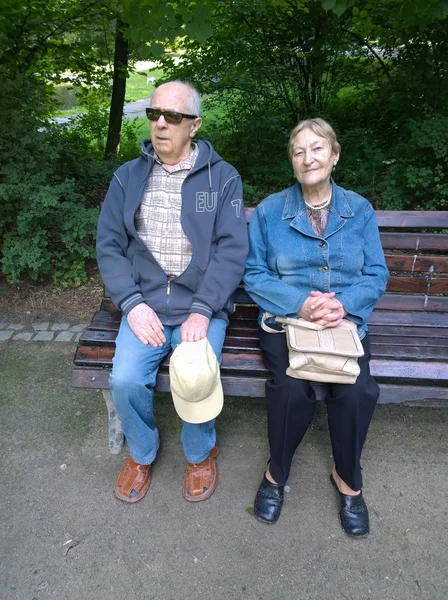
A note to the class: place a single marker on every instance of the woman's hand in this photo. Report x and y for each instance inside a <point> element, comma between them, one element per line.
<point>323,309</point>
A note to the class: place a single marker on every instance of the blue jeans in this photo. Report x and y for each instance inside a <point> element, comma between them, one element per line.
<point>132,382</point>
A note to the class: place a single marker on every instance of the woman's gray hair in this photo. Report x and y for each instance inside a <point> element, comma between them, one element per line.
<point>194,97</point>
<point>318,126</point>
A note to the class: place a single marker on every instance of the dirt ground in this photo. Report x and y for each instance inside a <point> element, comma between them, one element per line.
<point>65,536</point>
<point>29,301</point>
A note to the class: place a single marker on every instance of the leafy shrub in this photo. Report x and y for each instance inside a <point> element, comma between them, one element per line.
<point>47,225</point>
<point>51,234</point>
<point>416,177</point>
<point>401,167</point>
<point>255,143</point>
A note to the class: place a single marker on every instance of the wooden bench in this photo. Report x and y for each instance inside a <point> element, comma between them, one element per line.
<point>408,328</point>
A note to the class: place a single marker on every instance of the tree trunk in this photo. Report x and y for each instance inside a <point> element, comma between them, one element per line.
<point>121,54</point>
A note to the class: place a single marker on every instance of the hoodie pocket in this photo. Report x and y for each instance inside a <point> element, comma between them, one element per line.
<point>137,267</point>
<point>191,278</point>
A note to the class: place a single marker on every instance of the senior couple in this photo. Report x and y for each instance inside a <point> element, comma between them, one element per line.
<point>173,246</point>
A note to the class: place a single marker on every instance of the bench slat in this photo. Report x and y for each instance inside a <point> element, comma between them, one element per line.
<point>383,369</point>
<point>402,302</point>
<point>415,242</point>
<point>410,319</point>
<point>423,285</point>
<point>419,219</point>
<point>417,264</point>
<point>389,301</point>
<point>414,338</point>
<point>254,387</point>
<point>398,317</point>
<point>409,352</point>
<point>401,219</point>
<point>246,308</point>
<point>397,333</point>
<point>250,362</point>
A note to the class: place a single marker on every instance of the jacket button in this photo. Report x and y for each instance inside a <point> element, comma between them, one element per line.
<point>321,244</point>
<point>324,269</point>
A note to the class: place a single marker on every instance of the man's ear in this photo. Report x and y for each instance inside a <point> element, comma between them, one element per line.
<point>196,126</point>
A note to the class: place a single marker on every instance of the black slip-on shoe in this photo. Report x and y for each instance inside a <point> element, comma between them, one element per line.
<point>353,513</point>
<point>268,501</point>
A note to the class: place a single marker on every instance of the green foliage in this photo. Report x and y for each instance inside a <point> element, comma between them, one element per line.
<point>53,232</point>
<point>286,63</point>
<point>153,22</point>
<point>377,72</point>
<point>46,172</point>
<point>47,37</point>
<point>417,174</point>
<point>398,168</point>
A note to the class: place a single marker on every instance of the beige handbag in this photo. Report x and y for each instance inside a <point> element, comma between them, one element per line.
<point>322,354</point>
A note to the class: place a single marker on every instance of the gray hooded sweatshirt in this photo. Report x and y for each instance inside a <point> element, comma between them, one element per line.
<point>213,219</point>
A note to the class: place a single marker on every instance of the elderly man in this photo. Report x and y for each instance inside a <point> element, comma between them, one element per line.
<point>171,247</point>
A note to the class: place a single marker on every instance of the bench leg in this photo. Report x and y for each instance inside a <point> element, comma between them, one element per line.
<point>116,435</point>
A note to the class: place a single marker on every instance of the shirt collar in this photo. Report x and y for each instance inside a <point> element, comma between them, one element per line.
<point>295,204</point>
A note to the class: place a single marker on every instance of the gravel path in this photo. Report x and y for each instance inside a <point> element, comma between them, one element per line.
<point>41,332</point>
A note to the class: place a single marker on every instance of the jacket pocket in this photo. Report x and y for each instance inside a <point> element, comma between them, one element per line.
<point>137,267</point>
<point>191,278</point>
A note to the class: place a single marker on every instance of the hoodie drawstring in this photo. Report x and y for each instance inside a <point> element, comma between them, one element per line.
<point>210,176</point>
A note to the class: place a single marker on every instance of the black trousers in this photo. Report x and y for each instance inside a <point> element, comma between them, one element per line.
<point>291,404</point>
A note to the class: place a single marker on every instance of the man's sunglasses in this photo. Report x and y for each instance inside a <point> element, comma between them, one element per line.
<point>170,116</point>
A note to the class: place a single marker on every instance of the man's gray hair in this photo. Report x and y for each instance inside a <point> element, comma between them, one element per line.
<point>194,97</point>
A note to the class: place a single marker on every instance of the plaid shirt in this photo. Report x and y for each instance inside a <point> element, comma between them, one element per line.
<point>158,218</point>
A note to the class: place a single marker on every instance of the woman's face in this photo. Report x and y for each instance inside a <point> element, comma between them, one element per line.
<point>312,159</point>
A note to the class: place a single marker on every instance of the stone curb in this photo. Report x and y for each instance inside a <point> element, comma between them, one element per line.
<point>41,332</point>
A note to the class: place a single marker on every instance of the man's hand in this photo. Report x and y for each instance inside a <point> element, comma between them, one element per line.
<point>194,328</point>
<point>146,325</point>
<point>323,309</point>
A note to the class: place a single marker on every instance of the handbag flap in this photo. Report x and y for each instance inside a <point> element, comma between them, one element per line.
<point>342,340</point>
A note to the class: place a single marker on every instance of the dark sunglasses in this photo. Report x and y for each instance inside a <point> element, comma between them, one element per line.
<point>170,116</point>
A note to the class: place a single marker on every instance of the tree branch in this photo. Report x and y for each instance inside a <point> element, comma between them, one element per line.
<point>375,54</point>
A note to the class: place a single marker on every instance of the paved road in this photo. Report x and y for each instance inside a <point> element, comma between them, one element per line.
<point>64,536</point>
<point>131,111</point>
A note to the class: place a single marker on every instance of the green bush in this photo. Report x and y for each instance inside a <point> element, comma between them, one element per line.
<point>416,177</point>
<point>398,168</point>
<point>52,232</point>
<point>48,220</point>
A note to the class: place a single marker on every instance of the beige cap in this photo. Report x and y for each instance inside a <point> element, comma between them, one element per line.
<point>195,382</point>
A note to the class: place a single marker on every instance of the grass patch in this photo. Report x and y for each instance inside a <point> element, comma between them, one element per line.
<point>136,87</point>
<point>65,94</point>
<point>76,110</point>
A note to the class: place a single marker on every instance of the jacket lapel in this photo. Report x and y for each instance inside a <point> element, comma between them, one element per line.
<point>295,210</point>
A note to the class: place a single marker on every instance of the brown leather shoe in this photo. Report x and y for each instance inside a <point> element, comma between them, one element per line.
<point>133,480</point>
<point>200,479</point>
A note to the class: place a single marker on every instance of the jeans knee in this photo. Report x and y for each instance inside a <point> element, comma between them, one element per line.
<point>124,382</point>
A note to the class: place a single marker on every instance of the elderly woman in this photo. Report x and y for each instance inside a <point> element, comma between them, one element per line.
<point>315,253</point>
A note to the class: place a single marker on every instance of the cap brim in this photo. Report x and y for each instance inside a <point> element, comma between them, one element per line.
<point>200,412</point>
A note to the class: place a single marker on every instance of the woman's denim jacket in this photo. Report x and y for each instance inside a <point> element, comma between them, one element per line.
<point>287,260</point>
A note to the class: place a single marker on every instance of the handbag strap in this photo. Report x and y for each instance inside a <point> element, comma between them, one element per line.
<point>300,322</point>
